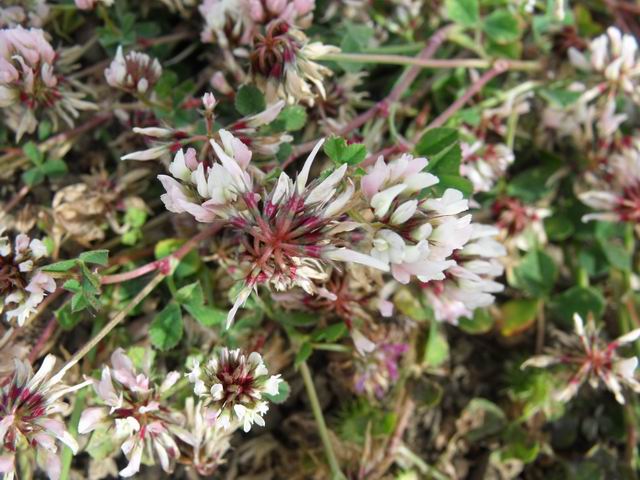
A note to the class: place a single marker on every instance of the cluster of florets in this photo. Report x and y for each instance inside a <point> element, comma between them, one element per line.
<point>30,406</point>
<point>283,66</point>
<point>22,285</point>
<point>592,360</point>
<point>614,55</point>
<point>30,84</point>
<point>233,386</point>
<point>136,414</point>
<point>614,190</point>
<point>32,13</point>
<point>235,22</point>
<point>134,72</point>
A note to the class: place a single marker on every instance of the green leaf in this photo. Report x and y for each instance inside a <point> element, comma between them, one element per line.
<point>486,418</point>
<point>437,348</point>
<point>559,97</point>
<point>32,152</point>
<point>135,217</point>
<point>482,322</point>
<point>191,294</point>
<point>425,392</point>
<point>501,26</point>
<point>33,177</point>
<point>72,285</point>
<point>297,319</point>
<point>355,39</point>
<point>97,257</point>
<point>558,227</point>
<point>463,12</point>
<point>581,300</point>
<point>54,167</point>
<point>331,333</point>
<point>79,302</point>
<point>207,316</point>
<point>62,266</point>
<point>536,273</point>
<point>303,354</point>
<point>337,150</point>
<point>66,318</point>
<point>436,141</point>
<point>166,329</point>
<point>283,393</point>
<point>517,316</point>
<point>44,129</point>
<point>294,117</point>
<point>249,100</point>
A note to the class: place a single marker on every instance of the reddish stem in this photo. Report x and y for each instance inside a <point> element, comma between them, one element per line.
<point>164,264</point>
<point>43,339</point>
<point>500,67</point>
<point>15,200</point>
<point>383,105</point>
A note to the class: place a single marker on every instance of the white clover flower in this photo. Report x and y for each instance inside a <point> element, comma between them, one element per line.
<point>418,236</point>
<point>469,284</point>
<point>593,360</point>
<point>615,193</point>
<point>282,63</point>
<point>22,286</point>
<point>134,409</point>
<point>615,56</point>
<point>30,83</point>
<point>233,385</point>
<point>134,72</point>
<point>29,417</point>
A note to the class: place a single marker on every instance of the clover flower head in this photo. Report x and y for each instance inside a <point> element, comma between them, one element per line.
<point>32,13</point>
<point>485,163</point>
<point>141,422</point>
<point>377,370</point>
<point>29,408</point>
<point>615,56</point>
<point>592,360</point>
<point>208,440</point>
<point>470,283</point>
<point>29,82</point>
<point>134,72</point>
<point>233,385</point>
<point>417,236</point>
<point>282,63</point>
<point>22,286</point>
<point>617,195</point>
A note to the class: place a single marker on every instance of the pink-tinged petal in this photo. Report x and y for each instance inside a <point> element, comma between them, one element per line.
<point>363,344</point>
<point>58,428</point>
<point>90,419</point>
<point>372,182</point>
<point>105,389</point>
<point>134,454</point>
<point>172,378</point>
<point>7,463</point>
<point>40,283</point>
<point>50,463</point>
<point>386,308</point>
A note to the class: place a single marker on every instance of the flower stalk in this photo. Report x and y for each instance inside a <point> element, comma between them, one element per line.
<point>336,473</point>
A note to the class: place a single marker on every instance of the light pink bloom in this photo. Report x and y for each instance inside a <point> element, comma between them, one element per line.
<point>134,409</point>
<point>134,72</point>
<point>29,416</point>
<point>22,286</point>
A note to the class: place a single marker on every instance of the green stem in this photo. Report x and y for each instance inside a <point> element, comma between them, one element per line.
<point>429,62</point>
<point>336,473</point>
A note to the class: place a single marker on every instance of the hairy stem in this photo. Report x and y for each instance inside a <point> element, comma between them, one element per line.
<point>522,65</point>
<point>142,294</point>
<point>500,67</point>
<point>336,473</point>
<point>164,263</point>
